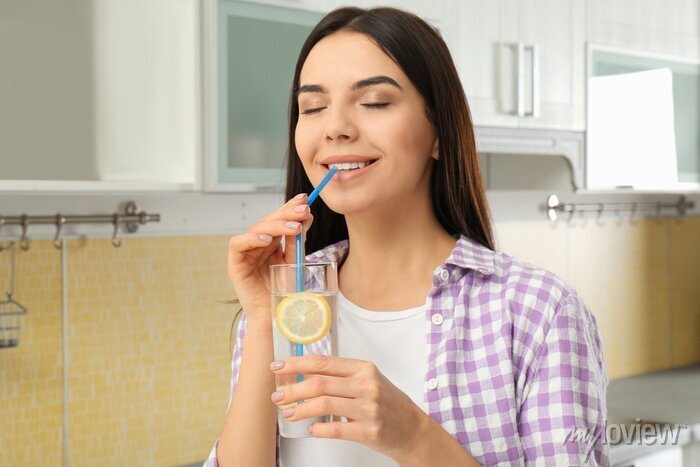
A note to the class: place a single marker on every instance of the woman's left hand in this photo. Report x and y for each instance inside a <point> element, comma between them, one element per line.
<point>379,415</point>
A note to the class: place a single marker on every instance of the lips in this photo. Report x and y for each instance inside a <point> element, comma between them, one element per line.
<point>346,159</point>
<point>347,175</point>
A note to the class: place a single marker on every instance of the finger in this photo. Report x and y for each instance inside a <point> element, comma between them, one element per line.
<point>306,225</point>
<point>288,208</point>
<point>302,214</point>
<point>290,245</point>
<point>249,241</point>
<point>284,221</point>
<point>260,245</point>
<point>316,386</point>
<point>352,431</point>
<point>321,406</point>
<point>323,365</point>
<point>264,234</point>
<point>242,256</point>
<point>279,227</point>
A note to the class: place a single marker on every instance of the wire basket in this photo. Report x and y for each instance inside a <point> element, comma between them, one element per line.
<point>11,311</point>
<point>10,322</point>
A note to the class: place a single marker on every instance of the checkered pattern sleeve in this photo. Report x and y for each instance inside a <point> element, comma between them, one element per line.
<point>235,367</point>
<point>562,417</point>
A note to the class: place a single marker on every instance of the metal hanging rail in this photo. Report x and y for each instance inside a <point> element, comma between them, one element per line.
<point>130,219</point>
<point>554,207</point>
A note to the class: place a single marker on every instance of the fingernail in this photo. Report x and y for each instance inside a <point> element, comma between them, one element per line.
<point>301,208</point>
<point>311,428</point>
<point>278,365</point>
<point>293,225</point>
<point>300,196</point>
<point>277,396</point>
<point>288,412</point>
<point>265,238</point>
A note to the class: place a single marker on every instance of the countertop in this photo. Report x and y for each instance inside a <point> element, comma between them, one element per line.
<point>669,399</point>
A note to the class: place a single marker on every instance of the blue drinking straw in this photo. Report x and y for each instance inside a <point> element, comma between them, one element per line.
<point>299,348</point>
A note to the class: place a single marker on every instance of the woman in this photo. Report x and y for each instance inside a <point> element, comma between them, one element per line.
<point>496,361</point>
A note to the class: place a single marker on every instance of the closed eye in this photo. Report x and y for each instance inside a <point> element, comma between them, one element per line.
<point>312,111</point>
<point>378,105</point>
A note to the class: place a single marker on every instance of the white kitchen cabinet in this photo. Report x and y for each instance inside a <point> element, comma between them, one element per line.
<point>250,50</point>
<point>558,28</point>
<point>99,95</point>
<point>626,38</point>
<point>480,56</point>
<point>643,119</point>
<point>522,62</point>
<point>646,25</point>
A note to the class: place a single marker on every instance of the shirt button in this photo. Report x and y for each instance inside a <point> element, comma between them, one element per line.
<point>444,274</point>
<point>432,383</point>
<point>437,319</point>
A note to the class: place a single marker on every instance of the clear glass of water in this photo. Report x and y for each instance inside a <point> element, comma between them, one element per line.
<point>304,319</point>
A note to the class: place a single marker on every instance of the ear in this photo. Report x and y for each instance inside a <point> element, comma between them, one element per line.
<point>435,151</point>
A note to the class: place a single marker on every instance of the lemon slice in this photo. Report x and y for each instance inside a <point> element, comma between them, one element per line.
<point>304,317</point>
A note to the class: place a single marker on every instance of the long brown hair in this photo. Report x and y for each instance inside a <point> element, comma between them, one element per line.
<point>457,190</point>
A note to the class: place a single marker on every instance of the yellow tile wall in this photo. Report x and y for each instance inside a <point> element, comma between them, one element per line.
<point>31,379</point>
<point>148,353</point>
<point>684,238</point>
<point>149,362</point>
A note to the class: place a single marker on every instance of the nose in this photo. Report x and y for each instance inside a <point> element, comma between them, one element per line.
<point>340,126</point>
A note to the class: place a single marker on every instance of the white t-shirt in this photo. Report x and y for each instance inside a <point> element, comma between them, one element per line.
<point>395,341</point>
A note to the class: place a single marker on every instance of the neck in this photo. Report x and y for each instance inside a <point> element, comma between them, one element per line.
<point>398,246</point>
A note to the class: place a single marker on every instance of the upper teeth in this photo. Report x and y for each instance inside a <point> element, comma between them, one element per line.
<point>349,165</point>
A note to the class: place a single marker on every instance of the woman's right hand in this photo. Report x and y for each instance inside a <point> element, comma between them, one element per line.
<point>251,253</point>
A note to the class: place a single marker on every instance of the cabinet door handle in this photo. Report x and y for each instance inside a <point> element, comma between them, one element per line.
<point>535,82</point>
<point>520,82</point>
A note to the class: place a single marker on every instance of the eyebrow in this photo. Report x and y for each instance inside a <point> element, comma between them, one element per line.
<point>363,83</point>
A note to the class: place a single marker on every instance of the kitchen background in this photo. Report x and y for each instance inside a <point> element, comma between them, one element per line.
<point>124,352</point>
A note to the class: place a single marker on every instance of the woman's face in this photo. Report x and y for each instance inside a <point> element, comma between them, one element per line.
<point>356,104</point>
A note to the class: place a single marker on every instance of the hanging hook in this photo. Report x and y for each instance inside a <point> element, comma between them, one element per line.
<point>601,208</point>
<point>116,242</point>
<point>24,241</point>
<point>57,242</point>
<point>14,269</point>
<point>2,222</point>
<point>681,206</point>
<point>634,211</point>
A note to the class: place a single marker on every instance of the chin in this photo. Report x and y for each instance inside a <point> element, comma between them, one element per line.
<point>348,206</point>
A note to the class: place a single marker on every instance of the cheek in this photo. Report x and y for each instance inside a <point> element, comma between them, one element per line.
<point>421,135</point>
<point>305,142</point>
<point>406,138</point>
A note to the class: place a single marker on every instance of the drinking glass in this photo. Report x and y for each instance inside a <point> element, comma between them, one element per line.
<point>304,319</point>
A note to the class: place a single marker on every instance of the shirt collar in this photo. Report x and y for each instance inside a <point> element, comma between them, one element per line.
<point>469,254</point>
<point>333,252</point>
<point>466,254</point>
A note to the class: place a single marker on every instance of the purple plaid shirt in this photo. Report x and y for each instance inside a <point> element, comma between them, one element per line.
<point>515,361</point>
